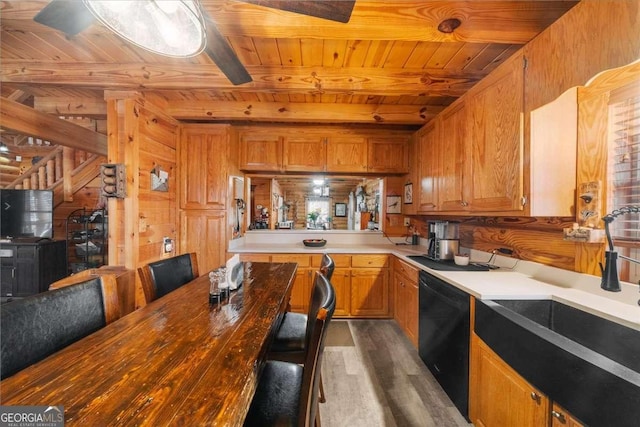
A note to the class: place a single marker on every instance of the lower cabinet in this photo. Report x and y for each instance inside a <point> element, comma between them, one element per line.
<point>29,268</point>
<point>405,298</point>
<point>499,396</point>
<point>361,282</point>
<point>301,291</point>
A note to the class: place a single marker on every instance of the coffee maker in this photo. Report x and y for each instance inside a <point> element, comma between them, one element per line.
<point>444,240</point>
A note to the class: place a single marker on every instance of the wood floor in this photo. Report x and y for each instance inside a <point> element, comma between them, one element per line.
<point>379,380</point>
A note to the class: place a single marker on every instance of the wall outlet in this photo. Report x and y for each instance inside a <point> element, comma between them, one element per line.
<point>167,245</point>
<point>407,221</point>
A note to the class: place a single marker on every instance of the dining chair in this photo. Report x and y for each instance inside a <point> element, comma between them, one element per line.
<point>291,341</point>
<point>39,325</point>
<point>288,393</point>
<point>161,277</point>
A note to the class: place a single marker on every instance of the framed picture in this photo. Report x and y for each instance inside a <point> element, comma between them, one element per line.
<point>408,194</point>
<point>393,204</point>
<point>341,209</point>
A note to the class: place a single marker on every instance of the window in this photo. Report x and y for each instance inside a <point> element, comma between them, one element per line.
<point>318,209</point>
<point>624,174</point>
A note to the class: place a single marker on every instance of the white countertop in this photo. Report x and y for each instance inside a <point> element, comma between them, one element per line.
<point>513,280</point>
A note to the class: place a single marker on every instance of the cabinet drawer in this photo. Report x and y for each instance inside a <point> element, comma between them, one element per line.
<point>401,267</point>
<point>302,260</point>
<point>340,260</point>
<point>364,261</point>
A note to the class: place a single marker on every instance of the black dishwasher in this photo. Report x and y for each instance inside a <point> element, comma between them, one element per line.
<point>443,337</point>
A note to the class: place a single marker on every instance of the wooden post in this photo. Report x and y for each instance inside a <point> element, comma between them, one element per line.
<point>67,167</point>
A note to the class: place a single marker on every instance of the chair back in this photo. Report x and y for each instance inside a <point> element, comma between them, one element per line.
<point>37,326</point>
<point>319,320</point>
<point>161,277</point>
<point>327,266</point>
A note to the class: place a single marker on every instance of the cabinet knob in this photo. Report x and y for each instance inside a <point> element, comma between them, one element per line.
<point>559,416</point>
<point>535,396</point>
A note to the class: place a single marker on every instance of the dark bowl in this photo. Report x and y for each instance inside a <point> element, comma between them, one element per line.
<point>314,243</point>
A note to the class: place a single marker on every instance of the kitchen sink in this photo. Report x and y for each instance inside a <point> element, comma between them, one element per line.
<point>588,364</point>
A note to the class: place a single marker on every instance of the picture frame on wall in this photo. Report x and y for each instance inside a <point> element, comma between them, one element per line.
<point>408,194</point>
<point>393,204</point>
<point>340,209</point>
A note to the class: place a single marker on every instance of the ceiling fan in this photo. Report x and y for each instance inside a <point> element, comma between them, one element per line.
<point>73,16</point>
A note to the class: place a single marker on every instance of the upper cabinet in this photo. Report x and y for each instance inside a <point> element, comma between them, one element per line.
<point>496,108</point>
<point>260,151</point>
<point>205,154</point>
<point>428,149</point>
<point>304,153</point>
<point>347,154</point>
<point>388,155</point>
<point>454,147</point>
<point>323,150</point>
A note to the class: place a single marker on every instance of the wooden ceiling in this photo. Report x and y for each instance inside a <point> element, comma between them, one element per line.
<point>389,65</point>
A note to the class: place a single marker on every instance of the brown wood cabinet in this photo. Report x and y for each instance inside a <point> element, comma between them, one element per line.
<point>454,144</point>
<point>388,155</point>
<point>304,153</point>
<point>405,289</point>
<point>347,154</point>
<point>370,286</point>
<point>496,108</point>
<point>261,152</point>
<point>204,154</point>
<point>320,149</point>
<point>498,396</point>
<point>361,282</point>
<point>301,290</point>
<point>429,153</point>
<point>207,159</point>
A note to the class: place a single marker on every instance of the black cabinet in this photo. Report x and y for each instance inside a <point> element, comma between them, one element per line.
<point>27,268</point>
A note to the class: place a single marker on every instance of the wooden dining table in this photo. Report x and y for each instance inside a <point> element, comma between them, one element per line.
<point>177,361</point>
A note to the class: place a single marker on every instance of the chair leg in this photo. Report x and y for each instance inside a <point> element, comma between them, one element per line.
<point>317,420</point>
<point>321,398</point>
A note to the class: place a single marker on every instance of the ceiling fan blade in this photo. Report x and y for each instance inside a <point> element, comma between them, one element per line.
<point>221,53</point>
<point>68,16</point>
<point>333,10</point>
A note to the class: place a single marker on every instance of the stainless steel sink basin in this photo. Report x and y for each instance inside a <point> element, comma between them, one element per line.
<point>588,364</point>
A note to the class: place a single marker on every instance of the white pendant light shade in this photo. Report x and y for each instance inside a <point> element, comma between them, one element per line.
<point>166,27</point>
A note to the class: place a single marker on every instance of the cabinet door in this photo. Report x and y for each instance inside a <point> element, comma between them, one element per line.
<point>204,232</point>
<point>429,163</point>
<point>561,418</point>
<point>261,152</point>
<point>370,292</point>
<point>27,269</point>
<point>305,154</point>
<point>341,281</point>
<point>347,154</point>
<point>301,291</point>
<point>203,168</point>
<point>7,278</point>
<point>388,155</point>
<point>413,178</point>
<point>498,396</point>
<point>497,142</point>
<point>453,154</point>
<point>411,307</point>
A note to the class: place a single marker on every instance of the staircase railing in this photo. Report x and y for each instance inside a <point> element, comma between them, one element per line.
<point>56,170</point>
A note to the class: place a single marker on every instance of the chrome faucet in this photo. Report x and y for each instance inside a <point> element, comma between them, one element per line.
<point>610,281</point>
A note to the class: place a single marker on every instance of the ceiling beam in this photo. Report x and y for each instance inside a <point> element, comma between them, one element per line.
<point>67,106</point>
<point>303,112</point>
<point>25,120</point>
<point>275,79</point>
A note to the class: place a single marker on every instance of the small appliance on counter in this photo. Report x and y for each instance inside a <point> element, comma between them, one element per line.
<point>444,240</point>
